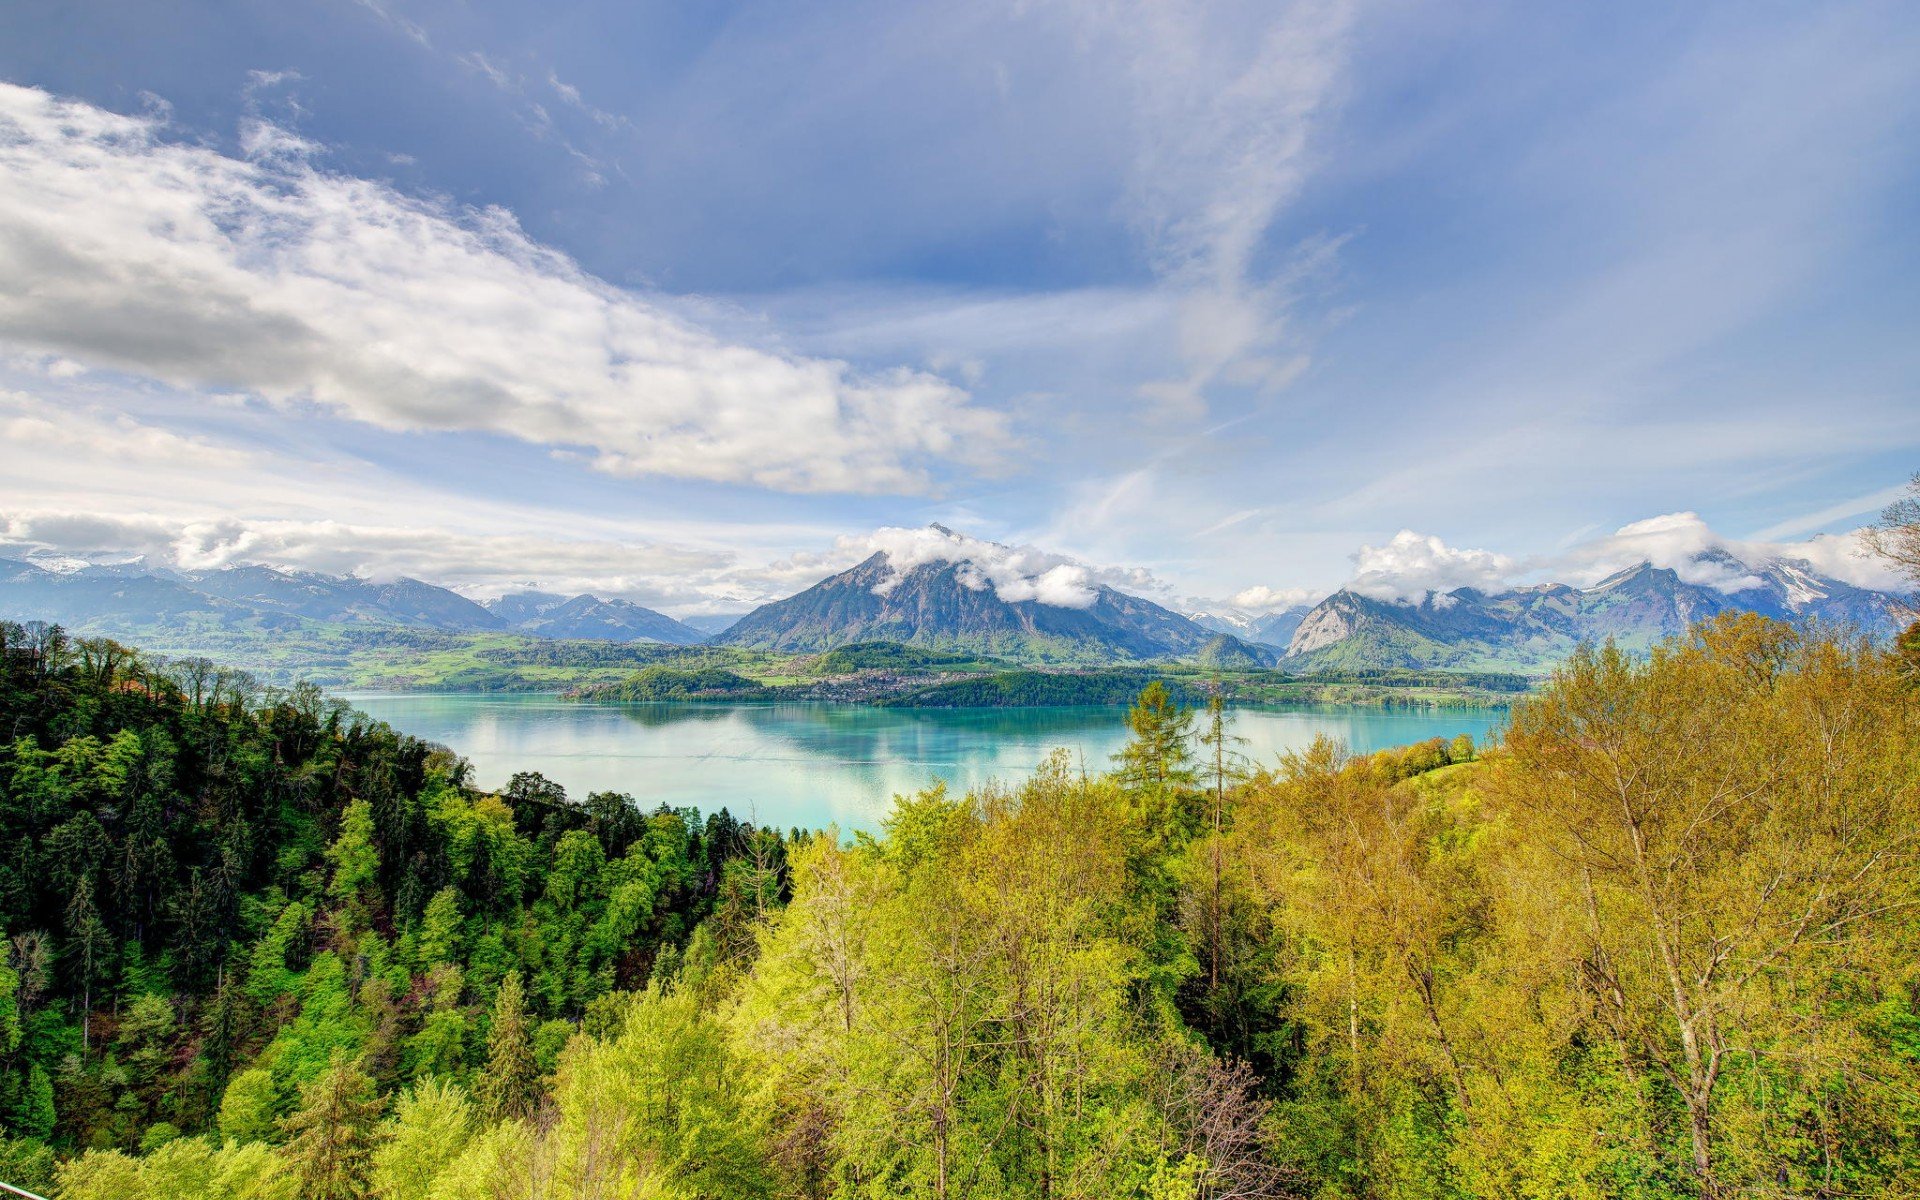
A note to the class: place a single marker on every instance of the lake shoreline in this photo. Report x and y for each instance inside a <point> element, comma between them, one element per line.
<point>814,763</point>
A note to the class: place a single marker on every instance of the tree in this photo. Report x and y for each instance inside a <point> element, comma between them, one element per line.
<point>1160,756</point>
<point>430,1126</point>
<point>356,862</point>
<point>249,1111</point>
<point>1729,824</point>
<point>509,1084</point>
<point>1156,767</point>
<point>1224,768</point>
<point>331,1135</point>
<point>1896,537</point>
<point>440,929</point>
<point>89,940</point>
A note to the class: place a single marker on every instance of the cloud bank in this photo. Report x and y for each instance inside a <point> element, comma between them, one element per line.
<point>479,565</point>
<point>1412,565</point>
<point>270,277</point>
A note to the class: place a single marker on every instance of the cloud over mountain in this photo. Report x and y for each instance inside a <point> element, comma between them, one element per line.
<point>273,277</point>
<point>1411,565</point>
<point>1012,573</point>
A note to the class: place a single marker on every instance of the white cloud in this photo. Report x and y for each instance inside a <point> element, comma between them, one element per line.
<point>1012,573</point>
<point>1411,565</point>
<point>31,425</point>
<point>478,564</point>
<point>1685,544</point>
<point>124,250</point>
<point>1261,598</point>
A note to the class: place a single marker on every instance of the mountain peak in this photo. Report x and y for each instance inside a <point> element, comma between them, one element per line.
<point>931,587</point>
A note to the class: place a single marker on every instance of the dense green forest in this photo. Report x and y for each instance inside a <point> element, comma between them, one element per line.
<point>1659,943</point>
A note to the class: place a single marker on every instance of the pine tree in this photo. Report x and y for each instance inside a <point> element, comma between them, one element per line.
<point>508,1085</point>
<point>1224,766</point>
<point>331,1136</point>
<point>1157,764</point>
<point>1160,754</point>
<point>90,940</point>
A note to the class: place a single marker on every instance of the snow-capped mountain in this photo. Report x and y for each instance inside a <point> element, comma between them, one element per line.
<point>1531,628</point>
<point>966,600</point>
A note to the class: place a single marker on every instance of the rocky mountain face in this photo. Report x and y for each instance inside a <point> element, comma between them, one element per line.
<point>1531,628</point>
<point>941,604</point>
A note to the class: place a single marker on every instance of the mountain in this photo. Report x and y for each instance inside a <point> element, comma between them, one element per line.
<point>948,606</point>
<point>130,599</point>
<point>1532,628</point>
<point>708,624</point>
<point>1224,652</point>
<point>106,598</point>
<point>546,614</point>
<point>1230,621</point>
<point>344,598</point>
<point>1267,629</point>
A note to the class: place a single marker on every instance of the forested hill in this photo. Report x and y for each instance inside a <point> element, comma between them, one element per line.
<point>213,892</point>
<point>1660,944</point>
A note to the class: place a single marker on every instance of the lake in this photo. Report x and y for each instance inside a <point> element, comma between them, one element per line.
<point>818,764</point>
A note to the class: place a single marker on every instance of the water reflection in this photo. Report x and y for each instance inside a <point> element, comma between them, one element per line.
<point>814,764</point>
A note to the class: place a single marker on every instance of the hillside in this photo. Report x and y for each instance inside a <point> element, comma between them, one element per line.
<point>263,948</point>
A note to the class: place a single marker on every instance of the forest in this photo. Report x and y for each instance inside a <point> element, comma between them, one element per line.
<point>1659,941</point>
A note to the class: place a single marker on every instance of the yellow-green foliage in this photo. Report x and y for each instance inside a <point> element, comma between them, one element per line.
<point>1658,943</point>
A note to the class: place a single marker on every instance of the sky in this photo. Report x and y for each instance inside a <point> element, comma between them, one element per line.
<point>1224,303</point>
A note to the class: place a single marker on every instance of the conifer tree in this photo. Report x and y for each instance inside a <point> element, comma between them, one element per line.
<point>1160,755</point>
<point>508,1085</point>
<point>331,1135</point>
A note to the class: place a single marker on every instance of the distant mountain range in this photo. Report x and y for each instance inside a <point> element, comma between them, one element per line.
<point>1532,628</point>
<point>137,601</point>
<point>942,605</point>
<point>548,614</point>
<point>950,605</point>
<point>1268,629</point>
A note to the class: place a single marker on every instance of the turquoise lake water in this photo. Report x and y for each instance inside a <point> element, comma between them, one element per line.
<point>818,764</point>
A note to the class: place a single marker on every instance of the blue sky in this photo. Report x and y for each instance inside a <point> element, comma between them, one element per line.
<point>683,301</point>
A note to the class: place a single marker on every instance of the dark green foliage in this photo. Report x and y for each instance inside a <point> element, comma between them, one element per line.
<point>211,891</point>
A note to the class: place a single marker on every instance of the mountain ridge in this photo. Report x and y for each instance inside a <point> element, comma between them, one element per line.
<point>135,599</point>
<point>1533,627</point>
<point>941,605</point>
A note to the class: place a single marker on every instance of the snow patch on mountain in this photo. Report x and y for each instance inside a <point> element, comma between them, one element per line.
<point>1012,573</point>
